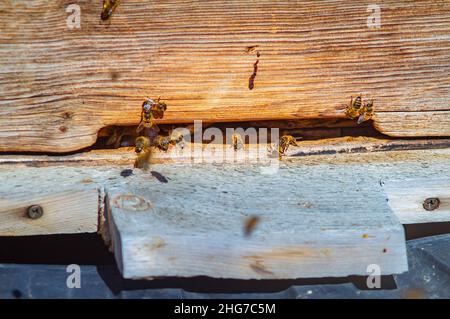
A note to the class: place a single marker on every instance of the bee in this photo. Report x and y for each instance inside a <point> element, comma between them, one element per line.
<point>177,138</point>
<point>250,225</point>
<point>108,8</point>
<point>143,151</point>
<point>162,142</point>
<point>285,142</point>
<point>353,110</point>
<point>366,112</point>
<point>237,141</point>
<point>151,110</point>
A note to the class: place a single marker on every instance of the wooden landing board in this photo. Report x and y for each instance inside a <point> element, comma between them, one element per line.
<point>193,225</point>
<point>60,86</point>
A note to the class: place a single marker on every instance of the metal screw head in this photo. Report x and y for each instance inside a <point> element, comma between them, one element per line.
<point>35,212</point>
<point>431,203</point>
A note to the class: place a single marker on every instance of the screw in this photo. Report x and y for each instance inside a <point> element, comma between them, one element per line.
<point>35,212</point>
<point>431,203</point>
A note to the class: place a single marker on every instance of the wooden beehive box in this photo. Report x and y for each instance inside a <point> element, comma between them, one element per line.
<point>262,63</point>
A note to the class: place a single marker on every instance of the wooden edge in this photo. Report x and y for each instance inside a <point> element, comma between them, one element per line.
<point>420,200</point>
<point>63,211</point>
<point>146,246</point>
<point>126,155</point>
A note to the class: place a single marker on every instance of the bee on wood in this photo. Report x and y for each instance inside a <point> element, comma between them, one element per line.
<point>237,141</point>
<point>108,8</point>
<point>363,110</point>
<point>177,138</point>
<point>143,151</point>
<point>285,142</point>
<point>151,110</point>
<point>162,142</point>
<point>366,112</point>
<point>353,110</point>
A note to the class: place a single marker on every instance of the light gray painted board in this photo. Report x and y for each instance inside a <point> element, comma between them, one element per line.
<point>315,222</point>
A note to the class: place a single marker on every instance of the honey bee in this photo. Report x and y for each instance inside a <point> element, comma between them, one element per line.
<point>151,110</point>
<point>363,110</point>
<point>366,112</point>
<point>285,142</point>
<point>108,8</point>
<point>162,142</point>
<point>237,141</point>
<point>250,225</point>
<point>143,151</point>
<point>353,109</point>
<point>177,138</point>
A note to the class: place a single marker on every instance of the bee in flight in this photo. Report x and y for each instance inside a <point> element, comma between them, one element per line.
<point>285,142</point>
<point>143,151</point>
<point>151,110</point>
<point>108,8</point>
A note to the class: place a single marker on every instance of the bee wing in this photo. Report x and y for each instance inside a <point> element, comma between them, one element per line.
<point>361,118</point>
<point>140,127</point>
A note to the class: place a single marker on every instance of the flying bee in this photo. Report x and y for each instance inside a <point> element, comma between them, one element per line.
<point>237,141</point>
<point>151,110</point>
<point>354,108</point>
<point>143,151</point>
<point>285,142</point>
<point>366,112</point>
<point>250,225</point>
<point>108,8</point>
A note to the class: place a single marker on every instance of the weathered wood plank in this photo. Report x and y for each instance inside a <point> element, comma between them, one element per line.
<point>41,175</point>
<point>59,86</point>
<point>126,155</point>
<point>64,211</point>
<point>407,197</point>
<point>193,225</point>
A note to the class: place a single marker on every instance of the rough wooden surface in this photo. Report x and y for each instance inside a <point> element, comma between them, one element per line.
<point>193,225</point>
<point>64,211</point>
<point>59,86</point>
<point>406,198</point>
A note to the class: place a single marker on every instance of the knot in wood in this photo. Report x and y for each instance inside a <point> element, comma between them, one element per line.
<point>132,202</point>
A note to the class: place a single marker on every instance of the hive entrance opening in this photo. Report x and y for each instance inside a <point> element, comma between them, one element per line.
<point>113,137</point>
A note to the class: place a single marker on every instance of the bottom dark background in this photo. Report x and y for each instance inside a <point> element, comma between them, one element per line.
<point>35,267</point>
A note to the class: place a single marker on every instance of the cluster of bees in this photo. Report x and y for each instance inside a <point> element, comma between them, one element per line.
<point>148,132</point>
<point>359,108</point>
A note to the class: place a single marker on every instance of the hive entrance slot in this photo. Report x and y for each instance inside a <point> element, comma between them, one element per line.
<point>112,137</point>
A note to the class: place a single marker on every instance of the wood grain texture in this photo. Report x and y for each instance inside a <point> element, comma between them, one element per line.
<point>58,86</point>
<point>64,211</point>
<point>78,179</point>
<point>406,198</point>
<point>193,225</point>
<point>126,155</point>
